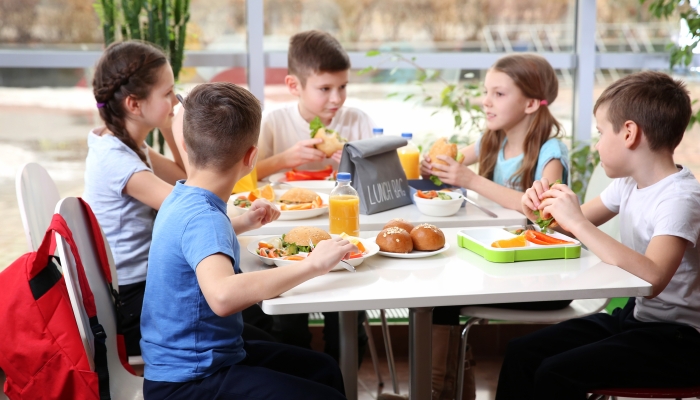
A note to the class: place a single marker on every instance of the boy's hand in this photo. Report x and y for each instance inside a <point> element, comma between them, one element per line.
<point>303,152</point>
<point>533,197</point>
<point>328,253</point>
<point>337,156</point>
<point>261,212</point>
<point>562,203</point>
<point>453,173</point>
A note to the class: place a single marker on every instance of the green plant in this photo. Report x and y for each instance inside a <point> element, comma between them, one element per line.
<point>681,55</point>
<point>584,158</point>
<point>161,22</point>
<point>455,97</point>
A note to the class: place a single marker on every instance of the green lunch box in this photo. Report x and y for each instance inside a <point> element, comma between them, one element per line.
<point>479,241</point>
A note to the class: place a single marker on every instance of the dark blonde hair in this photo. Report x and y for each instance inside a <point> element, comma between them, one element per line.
<point>125,69</point>
<point>659,105</point>
<point>536,79</point>
<point>314,52</point>
<point>221,122</point>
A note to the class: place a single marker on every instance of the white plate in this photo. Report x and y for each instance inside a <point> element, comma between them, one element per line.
<point>285,215</point>
<point>413,254</point>
<point>321,186</point>
<point>370,247</point>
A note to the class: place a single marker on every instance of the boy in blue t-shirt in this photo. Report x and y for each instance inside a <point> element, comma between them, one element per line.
<point>654,341</point>
<point>191,323</point>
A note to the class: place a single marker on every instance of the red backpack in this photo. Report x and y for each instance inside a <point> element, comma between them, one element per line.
<point>41,351</point>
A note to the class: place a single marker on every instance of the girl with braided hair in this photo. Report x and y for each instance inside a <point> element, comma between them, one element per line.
<point>125,180</point>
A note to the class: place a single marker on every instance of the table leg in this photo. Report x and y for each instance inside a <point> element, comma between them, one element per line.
<point>348,352</point>
<point>420,325</point>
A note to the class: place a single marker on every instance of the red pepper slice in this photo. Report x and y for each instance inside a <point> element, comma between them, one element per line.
<point>541,238</point>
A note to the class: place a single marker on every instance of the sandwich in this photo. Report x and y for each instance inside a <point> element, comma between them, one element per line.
<point>299,199</point>
<point>442,148</point>
<point>303,239</point>
<point>332,141</point>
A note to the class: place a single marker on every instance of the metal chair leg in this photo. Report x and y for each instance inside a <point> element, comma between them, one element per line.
<point>373,351</point>
<point>463,353</point>
<point>389,352</point>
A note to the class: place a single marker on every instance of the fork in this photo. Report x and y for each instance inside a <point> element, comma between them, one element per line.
<point>346,264</point>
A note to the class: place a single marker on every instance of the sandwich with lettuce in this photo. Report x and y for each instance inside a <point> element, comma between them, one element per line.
<point>332,141</point>
<point>442,147</point>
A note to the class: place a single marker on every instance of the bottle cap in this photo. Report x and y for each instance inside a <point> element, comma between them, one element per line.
<point>344,176</point>
<point>407,135</point>
<point>378,131</point>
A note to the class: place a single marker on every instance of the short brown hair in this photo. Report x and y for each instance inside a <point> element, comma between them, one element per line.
<point>657,103</point>
<point>314,52</point>
<point>221,122</point>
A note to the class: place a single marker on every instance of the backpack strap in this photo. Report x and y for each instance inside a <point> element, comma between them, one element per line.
<point>99,246</point>
<point>59,225</point>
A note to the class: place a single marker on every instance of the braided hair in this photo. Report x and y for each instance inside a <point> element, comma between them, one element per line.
<point>125,69</point>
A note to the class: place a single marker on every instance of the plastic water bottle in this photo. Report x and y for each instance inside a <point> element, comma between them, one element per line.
<point>409,156</point>
<point>377,132</point>
<point>344,207</point>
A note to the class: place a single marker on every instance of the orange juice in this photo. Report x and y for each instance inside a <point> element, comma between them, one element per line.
<point>344,214</point>
<point>247,183</point>
<point>410,161</point>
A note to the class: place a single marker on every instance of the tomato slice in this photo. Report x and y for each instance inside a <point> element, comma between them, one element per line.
<point>356,255</point>
<point>427,195</point>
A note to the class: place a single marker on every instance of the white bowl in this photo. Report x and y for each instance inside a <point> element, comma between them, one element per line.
<point>439,208</point>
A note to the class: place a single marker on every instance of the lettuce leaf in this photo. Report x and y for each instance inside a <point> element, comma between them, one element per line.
<point>315,125</point>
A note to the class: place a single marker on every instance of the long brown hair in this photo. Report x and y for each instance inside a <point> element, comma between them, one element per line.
<point>125,69</point>
<point>536,79</point>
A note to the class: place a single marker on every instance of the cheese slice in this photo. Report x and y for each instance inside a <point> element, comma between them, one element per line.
<point>354,240</point>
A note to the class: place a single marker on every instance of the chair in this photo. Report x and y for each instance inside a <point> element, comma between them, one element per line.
<point>577,309</point>
<point>123,385</point>
<point>37,196</point>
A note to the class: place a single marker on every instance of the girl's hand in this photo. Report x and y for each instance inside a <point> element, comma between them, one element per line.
<point>453,173</point>
<point>426,168</point>
<point>562,203</point>
<point>303,152</point>
<point>328,253</point>
<point>261,212</point>
<point>533,197</point>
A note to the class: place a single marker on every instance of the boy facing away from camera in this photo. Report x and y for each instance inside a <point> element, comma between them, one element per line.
<point>191,323</point>
<point>318,77</point>
<point>654,341</point>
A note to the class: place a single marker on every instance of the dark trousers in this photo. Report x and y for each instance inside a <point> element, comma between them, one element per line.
<point>567,360</point>
<point>132,301</point>
<point>293,329</point>
<point>269,371</point>
<point>449,315</point>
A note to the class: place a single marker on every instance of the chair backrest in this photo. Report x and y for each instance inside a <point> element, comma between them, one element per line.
<point>37,196</point>
<point>599,181</point>
<point>123,385</point>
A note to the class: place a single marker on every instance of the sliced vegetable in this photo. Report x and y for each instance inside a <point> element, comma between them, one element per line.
<point>518,241</point>
<point>426,195</point>
<point>294,258</point>
<point>356,255</point>
<point>534,237</point>
<point>443,196</point>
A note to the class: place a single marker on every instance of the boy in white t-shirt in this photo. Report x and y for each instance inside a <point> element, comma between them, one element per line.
<point>654,342</point>
<point>318,76</point>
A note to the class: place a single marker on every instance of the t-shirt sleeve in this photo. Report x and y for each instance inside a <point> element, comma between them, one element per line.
<point>207,233</point>
<point>678,216</point>
<point>553,149</point>
<point>611,196</point>
<point>121,164</point>
<point>364,124</point>
<point>267,137</point>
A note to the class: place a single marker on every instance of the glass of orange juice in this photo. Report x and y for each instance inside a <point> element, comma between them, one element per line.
<point>409,156</point>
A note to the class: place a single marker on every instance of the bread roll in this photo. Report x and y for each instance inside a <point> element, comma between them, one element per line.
<point>394,240</point>
<point>442,148</point>
<point>399,223</point>
<point>298,195</point>
<point>331,143</point>
<point>303,234</point>
<point>427,237</point>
